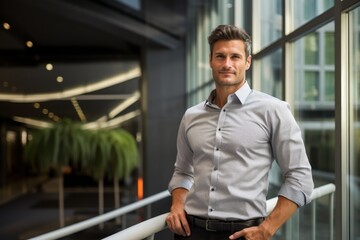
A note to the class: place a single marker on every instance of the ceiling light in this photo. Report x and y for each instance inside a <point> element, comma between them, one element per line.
<point>78,109</point>
<point>131,74</point>
<point>45,111</point>
<point>115,122</point>
<point>32,122</point>
<point>122,106</point>
<point>6,26</point>
<point>29,44</point>
<point>36,105</point>
<point>49,67</point>
<point>59,79</point>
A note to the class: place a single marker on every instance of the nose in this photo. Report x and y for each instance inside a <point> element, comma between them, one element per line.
<point>227,62</point>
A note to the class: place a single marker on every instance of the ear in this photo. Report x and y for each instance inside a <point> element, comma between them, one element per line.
<point>248,62</point>
<point>210,60</point>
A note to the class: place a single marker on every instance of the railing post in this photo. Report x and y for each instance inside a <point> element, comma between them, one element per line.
<point>331,218</point>
<point>123,221</point>
<point>148,211</point>
<point>313,220</point>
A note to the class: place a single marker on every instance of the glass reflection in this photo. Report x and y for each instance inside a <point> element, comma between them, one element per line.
<point>314,110</point>
<point>269,23</point>
<point>305,10</point>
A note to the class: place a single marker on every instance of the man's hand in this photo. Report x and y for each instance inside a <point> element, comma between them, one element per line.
<point>283,210</point>
<point>252,233</point>
<point>176,220</point>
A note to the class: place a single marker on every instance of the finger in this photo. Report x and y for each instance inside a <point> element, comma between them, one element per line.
<point>179,227</point>
<point>185,226</point>
<point>237,235</point>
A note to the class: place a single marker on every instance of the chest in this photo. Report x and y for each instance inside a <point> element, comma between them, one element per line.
<point>230,129</point>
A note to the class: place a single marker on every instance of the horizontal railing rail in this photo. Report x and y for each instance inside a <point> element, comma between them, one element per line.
<point>147,229</point>
<point>77,227</point>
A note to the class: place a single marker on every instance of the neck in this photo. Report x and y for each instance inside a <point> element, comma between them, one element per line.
<point>221,96</point>
<point>222,92</point>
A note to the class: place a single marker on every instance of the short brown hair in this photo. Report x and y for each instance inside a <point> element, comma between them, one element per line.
<point>229,32</point>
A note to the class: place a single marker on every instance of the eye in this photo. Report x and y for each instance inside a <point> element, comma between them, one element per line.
<point>219,56</point>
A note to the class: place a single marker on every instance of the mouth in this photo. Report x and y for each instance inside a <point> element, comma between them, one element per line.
<point>226,72</point>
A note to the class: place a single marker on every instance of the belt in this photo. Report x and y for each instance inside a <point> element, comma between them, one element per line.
<point>215,225</point>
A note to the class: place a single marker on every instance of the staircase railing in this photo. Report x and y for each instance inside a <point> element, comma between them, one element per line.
<point>77,227</point>
<point>148,228</point>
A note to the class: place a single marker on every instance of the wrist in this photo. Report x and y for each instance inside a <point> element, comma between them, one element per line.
<point>267,228</point>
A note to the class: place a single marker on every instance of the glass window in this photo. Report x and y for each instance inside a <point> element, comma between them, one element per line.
<point>269,23</point>
<point>314,110</point>
<point>270,68</point>
<point>305,10</point>
<point>329,48</point>
<point>354,166</point>
<point>312,49</point>
<point>314,66</point>
<point>311,86</point>
<point>329,86</point>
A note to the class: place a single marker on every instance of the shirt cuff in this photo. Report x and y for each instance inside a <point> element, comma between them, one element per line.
<point>177,183</point>
<point>295,195</point>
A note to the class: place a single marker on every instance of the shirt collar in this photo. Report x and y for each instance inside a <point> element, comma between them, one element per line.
<point>241,94</point>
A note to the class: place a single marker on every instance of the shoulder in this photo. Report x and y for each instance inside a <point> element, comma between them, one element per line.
<point>264,100</point>
<point>198,108</point>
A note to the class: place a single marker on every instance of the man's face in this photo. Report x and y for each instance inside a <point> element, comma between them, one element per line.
<point>229,63</point>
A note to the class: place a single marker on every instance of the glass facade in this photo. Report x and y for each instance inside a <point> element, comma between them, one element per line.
<point>304,11</point>
<point>270,74</point>
<point>314,103</point>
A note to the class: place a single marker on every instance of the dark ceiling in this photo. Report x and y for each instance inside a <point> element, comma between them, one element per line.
<point>95,48</point>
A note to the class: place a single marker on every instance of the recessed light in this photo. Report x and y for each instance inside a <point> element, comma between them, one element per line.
<point>59,79</point>
<point>36,105</point>
<point>6,26</point>
<point>45,111</point>
<point>29,44</point>
<point>49,67</point>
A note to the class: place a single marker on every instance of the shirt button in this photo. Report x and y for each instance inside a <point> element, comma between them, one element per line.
<point>217,149</point>
<point>219,129</point>
<point>224,110</point>
<point>211,209</point>
<point>212,189</point>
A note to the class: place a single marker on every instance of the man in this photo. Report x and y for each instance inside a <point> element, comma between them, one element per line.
<point>226,146</point>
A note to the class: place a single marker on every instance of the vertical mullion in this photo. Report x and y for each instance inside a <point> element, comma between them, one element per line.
<point>341,123</point>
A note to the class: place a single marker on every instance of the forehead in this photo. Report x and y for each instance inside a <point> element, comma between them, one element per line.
<point>232,46</point>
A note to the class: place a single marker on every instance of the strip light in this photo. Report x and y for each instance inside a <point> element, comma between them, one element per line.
<point>24,98</point>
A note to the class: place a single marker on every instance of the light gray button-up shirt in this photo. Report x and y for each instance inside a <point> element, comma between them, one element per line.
<point>224,156</point>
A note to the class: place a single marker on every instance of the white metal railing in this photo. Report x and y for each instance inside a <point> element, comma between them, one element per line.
<point>148,228</point>
<point>77,227</point>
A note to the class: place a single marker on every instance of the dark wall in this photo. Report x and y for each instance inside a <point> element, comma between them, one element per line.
<point>163,103</point>
<point>163,106</point>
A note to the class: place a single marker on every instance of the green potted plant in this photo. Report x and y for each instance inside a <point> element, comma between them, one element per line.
<point>98,152</point>
<point>56,147</point>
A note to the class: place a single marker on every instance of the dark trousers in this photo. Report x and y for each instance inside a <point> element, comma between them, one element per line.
<point>201,234</point>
